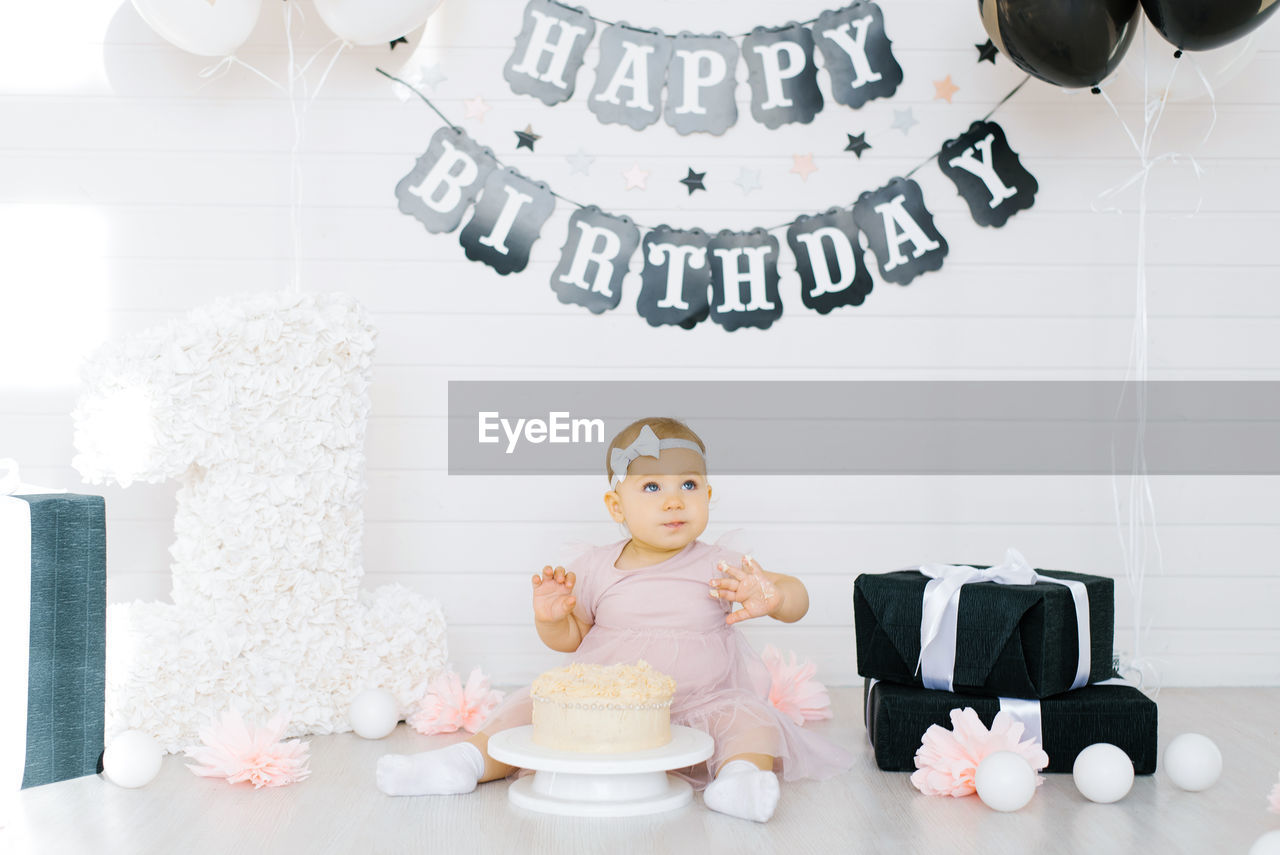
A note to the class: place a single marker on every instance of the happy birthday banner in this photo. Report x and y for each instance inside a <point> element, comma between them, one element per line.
<point>689,275</point>
<point>698,71</point>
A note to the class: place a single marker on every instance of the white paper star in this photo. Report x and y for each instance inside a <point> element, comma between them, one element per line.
<point>580,162</point>
<point>903,120</point>
<point>748,179</point>
<point>636,177</point>
<point>476,108</point>
<point>419,76</point>
<point>431,76</point>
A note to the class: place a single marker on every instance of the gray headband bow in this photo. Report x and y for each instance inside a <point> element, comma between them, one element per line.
<point>646,444</point>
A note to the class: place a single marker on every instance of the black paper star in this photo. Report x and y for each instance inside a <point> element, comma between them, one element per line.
<point>693,181</point>
<point>400,41</point>
<point>987,51</point>
<point>527,138</point>
<point>857,144</point>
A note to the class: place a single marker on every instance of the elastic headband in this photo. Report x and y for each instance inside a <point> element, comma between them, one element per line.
<point>646,444</point>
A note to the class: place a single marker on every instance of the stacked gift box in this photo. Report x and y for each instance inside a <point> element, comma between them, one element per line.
<point>1037,644</point>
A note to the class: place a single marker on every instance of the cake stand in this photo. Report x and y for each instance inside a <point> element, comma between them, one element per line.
<point>570,783</point>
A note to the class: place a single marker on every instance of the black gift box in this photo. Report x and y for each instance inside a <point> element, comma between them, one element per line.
<point>1014,641</point>
<point>898,716</point>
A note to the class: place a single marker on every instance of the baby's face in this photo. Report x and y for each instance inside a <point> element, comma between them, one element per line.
<point>664,502</point>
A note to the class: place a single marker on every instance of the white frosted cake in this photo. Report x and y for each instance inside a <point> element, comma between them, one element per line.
<point>602,709</point>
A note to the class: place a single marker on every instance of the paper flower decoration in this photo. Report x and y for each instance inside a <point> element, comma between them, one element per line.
<point>448,705</point>
<point>1273,801</point>
<point>948,759</point>
<point>792,689</point>
<point>241,752</point>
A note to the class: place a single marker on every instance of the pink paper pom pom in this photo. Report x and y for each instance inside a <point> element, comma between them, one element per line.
<point>948,759</point>
<point>1273,801</point>
<point>241,752</point>
<point>448,705</point>
<point>793,691</point>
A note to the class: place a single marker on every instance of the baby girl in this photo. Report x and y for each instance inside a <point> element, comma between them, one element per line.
<point>666,597</point>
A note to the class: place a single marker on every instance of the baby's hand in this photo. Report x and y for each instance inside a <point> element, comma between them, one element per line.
<point>553,598</point>
<point>747,586</point>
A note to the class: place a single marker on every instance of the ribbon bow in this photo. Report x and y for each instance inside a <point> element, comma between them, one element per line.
<point>940,614</point>
<point>646,444</point>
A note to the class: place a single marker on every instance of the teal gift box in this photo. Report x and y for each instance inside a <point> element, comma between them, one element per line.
<point>53,558</point>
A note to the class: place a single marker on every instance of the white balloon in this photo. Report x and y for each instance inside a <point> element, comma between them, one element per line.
<point>1267,844</point>
<point>371,22</point>
<point>1005,781</point>
<point>204,27</point>
<point>132,759</point>
<point>374,713</point>
<point>1103,773</point>
<point>1179,78</point>
<point>1192,761</point>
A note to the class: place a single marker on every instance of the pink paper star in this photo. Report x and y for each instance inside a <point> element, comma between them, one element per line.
<point>944,89</point>
<point>636,177</point>
<point>802,165</point>
<point>476,108</point>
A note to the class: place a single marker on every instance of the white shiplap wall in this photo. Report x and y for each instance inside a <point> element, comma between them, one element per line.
<point>132,189</point>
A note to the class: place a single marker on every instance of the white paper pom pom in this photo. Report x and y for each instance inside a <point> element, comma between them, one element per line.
<point>1005,782</point>
<point>374,713</point>
<point>132,759</point>
<point>1103,773</point>
<point>1267,844</point>
<point>1193,762</point>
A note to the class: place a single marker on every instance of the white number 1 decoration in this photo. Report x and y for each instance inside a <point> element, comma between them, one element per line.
<point>259,407</point>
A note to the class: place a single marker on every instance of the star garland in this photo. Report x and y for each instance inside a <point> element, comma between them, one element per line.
<point>802,164</point>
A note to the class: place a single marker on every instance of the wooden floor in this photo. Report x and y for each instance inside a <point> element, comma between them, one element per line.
<point>338,809</point>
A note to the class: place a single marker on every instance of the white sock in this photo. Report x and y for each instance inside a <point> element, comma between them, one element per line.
<point>743,790</point>
<point>443,772</point>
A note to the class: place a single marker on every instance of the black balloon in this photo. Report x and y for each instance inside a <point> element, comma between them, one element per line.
<point>1070,43</point>
<point>1206,24</point>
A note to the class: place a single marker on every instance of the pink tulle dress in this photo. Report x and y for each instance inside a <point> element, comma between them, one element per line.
<point>664,615</point>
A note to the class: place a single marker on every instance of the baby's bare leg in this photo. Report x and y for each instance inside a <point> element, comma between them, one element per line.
<point>760,761</point>
<point>493,769</point>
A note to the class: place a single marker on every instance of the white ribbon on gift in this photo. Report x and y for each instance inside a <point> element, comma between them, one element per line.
<point>941,607</point>
<point>15,624</point>
<point>866,710</point>
<point>1027,710</point>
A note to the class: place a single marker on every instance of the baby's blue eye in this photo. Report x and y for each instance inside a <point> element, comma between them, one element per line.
<point>689,485</point>
<point>650,487</point>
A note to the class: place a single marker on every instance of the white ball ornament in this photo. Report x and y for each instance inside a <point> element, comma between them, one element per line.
<point>1005,781</point>
<point>132,759</point>
<point>374,713</point>
<point>1103,773</point>
<point>1193,762</point>
<point>1267,844</point>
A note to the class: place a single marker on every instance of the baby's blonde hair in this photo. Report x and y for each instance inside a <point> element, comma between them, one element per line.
<point>662,426</point>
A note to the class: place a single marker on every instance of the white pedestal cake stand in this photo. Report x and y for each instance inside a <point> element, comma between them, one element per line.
<point>569,783</point>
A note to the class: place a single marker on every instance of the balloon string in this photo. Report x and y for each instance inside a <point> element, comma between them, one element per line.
<point>1213,102</point>
<point>297,76</point>
<point>295,169</point>
<point>224,65</point>
<point>1138,522</point>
